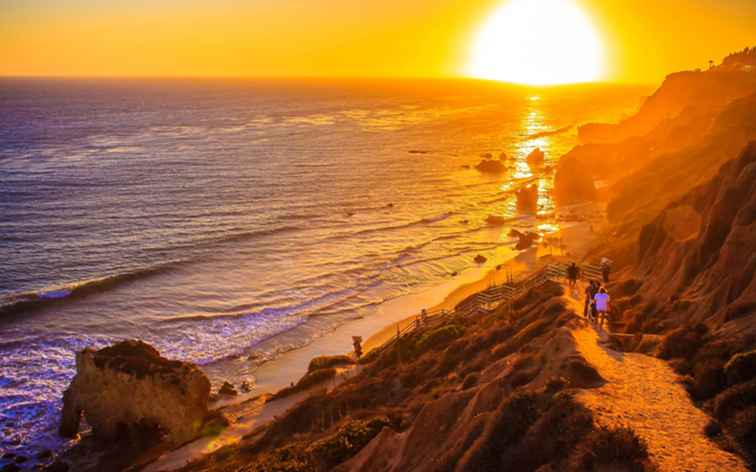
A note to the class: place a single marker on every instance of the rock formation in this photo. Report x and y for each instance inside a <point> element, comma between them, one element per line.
<point>491,166</point>
<point>129,385</point>
<point>527,199</point>
<point>536,158</point>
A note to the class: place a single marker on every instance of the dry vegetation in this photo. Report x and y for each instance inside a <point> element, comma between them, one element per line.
<point>499,387</point>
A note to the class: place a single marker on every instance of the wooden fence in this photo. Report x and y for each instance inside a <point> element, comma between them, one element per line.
<point>493,297</point>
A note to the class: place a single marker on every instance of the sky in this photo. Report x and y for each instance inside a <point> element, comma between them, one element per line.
<point>642,40</point>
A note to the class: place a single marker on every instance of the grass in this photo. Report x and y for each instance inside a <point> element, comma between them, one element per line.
<point>324,362</point>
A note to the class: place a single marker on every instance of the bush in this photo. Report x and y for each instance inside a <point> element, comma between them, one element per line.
<point>439,337</point>
<point>611,449</point>
<point>346,442</point>
<point>324,362</point>
<point>708,378</point>
<point>309,380</point>
<point>741,368</point>
<point>681,342</point>
<point>734,399</point>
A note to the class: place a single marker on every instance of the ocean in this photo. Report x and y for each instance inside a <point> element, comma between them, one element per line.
<point>227,220</point>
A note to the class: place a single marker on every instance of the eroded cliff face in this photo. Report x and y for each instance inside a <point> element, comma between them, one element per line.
<point>694,93</point>
<point>681,135</point>
<point>700,249</point>
<point>130,386</point>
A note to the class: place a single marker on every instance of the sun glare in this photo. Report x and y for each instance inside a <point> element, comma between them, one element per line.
<point>537,42</point>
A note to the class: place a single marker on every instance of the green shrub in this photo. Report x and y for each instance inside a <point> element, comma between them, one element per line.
<point>741,367</point>
<point>324,362</point>
<point>439,337</point>
<point>611,449</point>
<point>346,442</point>
<point>310,379</point>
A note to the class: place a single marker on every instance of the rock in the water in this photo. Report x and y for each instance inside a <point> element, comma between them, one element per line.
<point>491,166</point>
<point>228,389</point>
<point>503,156</point>
<point>480,259</point>
<point>246,387</point>
<point>527,199</point>
<point>130,385</point>
<point>527,240</point>
<point>494,220</point>
<point>536,158</point>
<point>486,155</point>
<point>573,181</point>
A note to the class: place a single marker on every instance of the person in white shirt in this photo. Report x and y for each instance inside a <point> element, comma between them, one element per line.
<point>602,305</point>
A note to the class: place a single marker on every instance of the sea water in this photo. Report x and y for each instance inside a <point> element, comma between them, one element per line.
<point>236,219</point>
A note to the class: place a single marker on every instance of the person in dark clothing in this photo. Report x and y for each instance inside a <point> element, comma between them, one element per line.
<point>590,291</point>
<point>606,267</point>
<point>573,272</point>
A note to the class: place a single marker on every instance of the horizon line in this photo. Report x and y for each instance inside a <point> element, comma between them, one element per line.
<point>448,78</point>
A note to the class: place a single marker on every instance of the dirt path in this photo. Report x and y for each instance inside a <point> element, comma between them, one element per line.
<point>643,392</point>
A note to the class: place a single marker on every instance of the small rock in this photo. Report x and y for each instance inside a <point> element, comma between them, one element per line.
<point>503,156</point>
<point>21,459</point>
<point>57,466</point>
<point>227,389</point>
<point>10,468</point>
<point>490,166</point>
<point>246,387</point>
<point>390,205</point>
<point>486,155</point>
<point>46,454</point>
<point>480,259</point>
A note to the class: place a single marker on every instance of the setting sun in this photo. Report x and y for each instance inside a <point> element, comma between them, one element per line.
<point>537,42</point>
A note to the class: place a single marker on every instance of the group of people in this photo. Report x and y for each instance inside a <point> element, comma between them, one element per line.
<point>596,296</point>
<point>596,303</point>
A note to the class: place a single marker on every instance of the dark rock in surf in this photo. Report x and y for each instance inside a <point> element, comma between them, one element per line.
<point>490,166</point>
<point>527,199</point>
<point>228,390</point>
<point>536,158</point>
<point>527,240</point>
<point>479,259</point>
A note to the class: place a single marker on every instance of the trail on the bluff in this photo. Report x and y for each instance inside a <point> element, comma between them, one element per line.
<point>643,392</point>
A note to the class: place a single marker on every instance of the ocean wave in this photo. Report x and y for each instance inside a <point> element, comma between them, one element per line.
<point>30,301</point>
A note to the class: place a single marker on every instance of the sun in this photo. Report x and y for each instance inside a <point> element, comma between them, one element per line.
<point>537,42</point>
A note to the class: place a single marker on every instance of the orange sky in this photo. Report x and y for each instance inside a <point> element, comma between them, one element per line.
<point>643,39</point>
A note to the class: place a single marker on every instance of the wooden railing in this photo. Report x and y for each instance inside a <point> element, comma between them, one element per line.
<point>482,302</point>
<point>492,298</point>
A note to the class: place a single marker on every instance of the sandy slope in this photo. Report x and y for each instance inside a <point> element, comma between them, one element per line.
<point>643,392</point>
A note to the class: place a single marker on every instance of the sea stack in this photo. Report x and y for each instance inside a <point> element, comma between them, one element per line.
<point>129,385</point>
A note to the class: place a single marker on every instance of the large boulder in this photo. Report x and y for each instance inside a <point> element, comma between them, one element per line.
<point>129,385</point>
<point>527,199</point>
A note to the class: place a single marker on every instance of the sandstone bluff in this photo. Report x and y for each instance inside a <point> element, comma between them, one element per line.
<point>129,386</point>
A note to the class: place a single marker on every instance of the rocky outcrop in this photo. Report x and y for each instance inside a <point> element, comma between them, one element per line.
<point>682,92</point>
<point>711,262</point>
<point>130,386</point>
<point>527,199</point>
<point>536,158</point>
<point>491,166</point>
<point>573,181</point>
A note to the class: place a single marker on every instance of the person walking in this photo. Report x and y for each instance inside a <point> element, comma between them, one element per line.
<point>573,272</point>
<point>590,292</point>
<point>602,306</point>
<point>606,267</point>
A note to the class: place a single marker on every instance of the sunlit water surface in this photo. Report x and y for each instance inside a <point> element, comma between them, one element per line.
<point>219,220</point>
